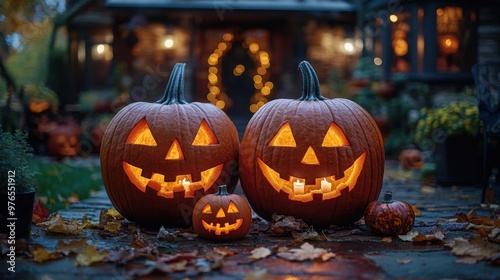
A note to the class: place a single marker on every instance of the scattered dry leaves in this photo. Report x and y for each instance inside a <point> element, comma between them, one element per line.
<point>110,220</point>
<point>306,252</point>
<point>472,218</point>
<point>57,224</point>
<point>73,246</point>
<point>417,237</point>
<point>90,255</point>
<point>473,250</point>
<point>260,253</point>
<point>224,251</point>
<point>282,225</point>
<point>166,235</point>
<point>41,254</point>
<point>310,234</point>
<point>40,213</point>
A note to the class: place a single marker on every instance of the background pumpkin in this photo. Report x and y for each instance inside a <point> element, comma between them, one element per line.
<point>312,139</point>
<point>222,216</point>
<point>389,217</point>
<point>150,151</point>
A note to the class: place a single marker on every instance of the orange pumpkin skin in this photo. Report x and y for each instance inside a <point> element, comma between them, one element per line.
<point>154,196</point>
<point>268,167</point>
<point>222,216</point>
<point>389,217</point>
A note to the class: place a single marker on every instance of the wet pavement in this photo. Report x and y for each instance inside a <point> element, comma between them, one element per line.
<point>358,253</point>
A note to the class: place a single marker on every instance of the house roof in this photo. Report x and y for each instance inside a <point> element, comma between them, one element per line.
<point>230,5</point>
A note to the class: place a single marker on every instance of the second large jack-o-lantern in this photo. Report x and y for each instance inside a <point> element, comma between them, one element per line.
<point>318,159</point>
<point>158,159</point>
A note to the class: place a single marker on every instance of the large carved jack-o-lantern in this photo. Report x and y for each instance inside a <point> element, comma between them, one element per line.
<point>158,159</point>
<point>222,216</point>
<point>318,159</point>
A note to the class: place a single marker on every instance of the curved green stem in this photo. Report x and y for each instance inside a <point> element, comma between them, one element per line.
<point>310,83</point>
<point>174,92</point>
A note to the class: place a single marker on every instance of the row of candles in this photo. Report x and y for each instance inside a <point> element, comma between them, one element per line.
<point>299,187</point>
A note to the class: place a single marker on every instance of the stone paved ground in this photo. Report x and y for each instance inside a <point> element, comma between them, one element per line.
<point>359,254</point>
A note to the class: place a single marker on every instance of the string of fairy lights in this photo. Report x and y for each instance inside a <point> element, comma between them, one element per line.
<point>263,86</point>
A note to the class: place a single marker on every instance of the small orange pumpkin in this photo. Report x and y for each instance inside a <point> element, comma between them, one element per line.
<point>389,217</point>
<point>222,216</point>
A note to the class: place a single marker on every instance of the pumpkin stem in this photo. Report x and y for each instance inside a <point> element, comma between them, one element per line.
<point>174,92</point>
<point>310,83</point>
<point>388,197</point>
<point>222,190</point>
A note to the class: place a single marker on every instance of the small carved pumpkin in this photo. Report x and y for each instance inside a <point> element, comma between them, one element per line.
<point>158,159</point>
<point>317,159</point>
<point>222,216</point>
<point>64,139</point>
<point>389,217</point>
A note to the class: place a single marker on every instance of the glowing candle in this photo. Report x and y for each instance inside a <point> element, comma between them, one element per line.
<point>326,186</point>
<point>298,187</point>
<point>185,183</point>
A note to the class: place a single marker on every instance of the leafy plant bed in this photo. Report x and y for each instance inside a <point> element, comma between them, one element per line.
<point>65,182</point>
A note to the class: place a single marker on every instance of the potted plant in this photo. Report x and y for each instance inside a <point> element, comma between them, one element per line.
<point>452,133</point>
<point>18,187</point>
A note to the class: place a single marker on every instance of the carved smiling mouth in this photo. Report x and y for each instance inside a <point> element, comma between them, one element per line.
<point>167,189</point>
<point>218,229</point>
<point>349,180</point>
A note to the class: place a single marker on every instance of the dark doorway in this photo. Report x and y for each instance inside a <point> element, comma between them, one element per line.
<point>238,69</point>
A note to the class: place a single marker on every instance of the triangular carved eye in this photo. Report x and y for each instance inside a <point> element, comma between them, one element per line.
<point>284,137</point>
<point>232,208</point>
<point>205,136</point>
<point>335,137</point>
<point>207,209</point>
<point>141,134</point>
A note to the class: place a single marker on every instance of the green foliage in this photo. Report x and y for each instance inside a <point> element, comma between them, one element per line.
<point>15,153</point>
<point>460,117</point>
<point>61,183</point>
<point>366,69</point>
<point>38,93</point>
<point>29,65</point>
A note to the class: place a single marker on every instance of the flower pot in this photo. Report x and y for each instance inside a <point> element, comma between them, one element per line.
<point>16,221</point>
<point>458,161</point>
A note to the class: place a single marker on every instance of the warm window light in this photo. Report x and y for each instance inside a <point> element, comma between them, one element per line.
<point>100,49</point>
<point>349,47</point>
<point>393,18</point>
<point>169,43</point>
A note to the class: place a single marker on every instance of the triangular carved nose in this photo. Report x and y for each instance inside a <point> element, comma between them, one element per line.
<point>310,157</point>
<point>175,151</point>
